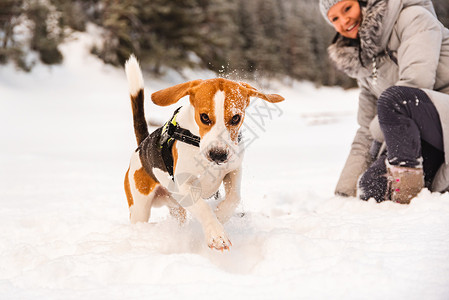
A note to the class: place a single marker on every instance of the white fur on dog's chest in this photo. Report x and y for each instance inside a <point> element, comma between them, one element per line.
<point>209,174</point>
<point>194,167</point>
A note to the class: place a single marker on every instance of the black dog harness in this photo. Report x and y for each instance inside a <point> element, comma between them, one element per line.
<point>171,132</point>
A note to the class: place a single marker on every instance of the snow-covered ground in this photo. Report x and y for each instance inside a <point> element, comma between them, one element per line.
<point>66,138</point>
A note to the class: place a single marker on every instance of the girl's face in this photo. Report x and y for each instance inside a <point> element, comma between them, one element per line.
<point>346,18</point>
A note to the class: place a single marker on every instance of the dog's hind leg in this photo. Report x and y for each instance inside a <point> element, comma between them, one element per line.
<point>140,189</point>
<point>162,197</point>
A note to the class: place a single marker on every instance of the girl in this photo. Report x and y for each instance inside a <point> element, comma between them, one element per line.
<point>399,53</point>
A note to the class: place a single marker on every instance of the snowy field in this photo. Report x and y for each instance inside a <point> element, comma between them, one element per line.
<point>66,138</point>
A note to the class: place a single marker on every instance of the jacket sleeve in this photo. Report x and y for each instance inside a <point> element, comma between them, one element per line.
<point>359,157</point>
<point>419,51</point>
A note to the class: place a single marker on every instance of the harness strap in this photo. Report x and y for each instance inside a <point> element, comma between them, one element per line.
<point>171,132</point>
<point>183,135</point>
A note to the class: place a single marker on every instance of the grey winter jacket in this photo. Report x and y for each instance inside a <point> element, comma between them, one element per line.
<point>401,43</point>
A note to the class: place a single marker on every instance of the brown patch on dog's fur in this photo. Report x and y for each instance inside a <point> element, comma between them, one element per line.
<point>202,99</point>
<point>129,196</point>
<point>144,183</point>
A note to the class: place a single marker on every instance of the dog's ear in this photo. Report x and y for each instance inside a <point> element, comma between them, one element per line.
<point>252,92</point>
<point>172,94</point>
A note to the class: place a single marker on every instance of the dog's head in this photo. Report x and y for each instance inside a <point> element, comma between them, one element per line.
<point>219,110</point>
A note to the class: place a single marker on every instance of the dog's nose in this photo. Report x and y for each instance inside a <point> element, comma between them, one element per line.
<point>218,156</point>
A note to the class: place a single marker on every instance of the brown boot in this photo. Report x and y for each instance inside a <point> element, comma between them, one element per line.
<point>405,183</point>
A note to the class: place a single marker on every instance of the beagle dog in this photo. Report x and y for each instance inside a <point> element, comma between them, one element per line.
<point>183,163</point>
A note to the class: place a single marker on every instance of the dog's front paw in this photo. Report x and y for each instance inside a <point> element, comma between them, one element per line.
<point>220,243</point>
<point>217,239</point>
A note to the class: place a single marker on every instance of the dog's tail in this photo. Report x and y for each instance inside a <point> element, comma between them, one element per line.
<point>135,83</point>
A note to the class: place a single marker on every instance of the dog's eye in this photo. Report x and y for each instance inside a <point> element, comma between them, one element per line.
<point>205,119</point>
<point>235,120</point>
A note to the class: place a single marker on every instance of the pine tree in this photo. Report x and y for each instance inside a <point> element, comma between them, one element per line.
<point>116,18</point>
<point>46,35</point>
<point>73,13</point>
<point>10,11</point>
<point>250,34</point>
<point>298,56</point>
<point>268,44</point>
<point>219,48</point>
<point>170,33</point>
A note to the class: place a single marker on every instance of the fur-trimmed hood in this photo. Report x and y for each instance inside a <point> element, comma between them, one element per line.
<point>354,57</point>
